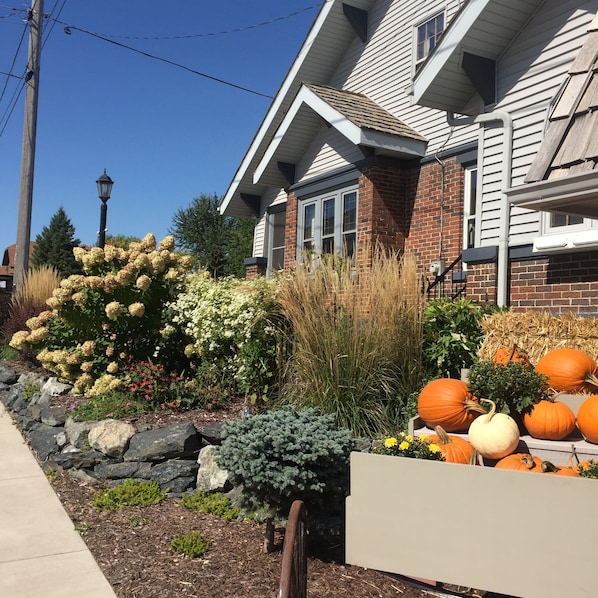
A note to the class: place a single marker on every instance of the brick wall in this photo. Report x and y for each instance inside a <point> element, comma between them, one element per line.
<point>566,283</point>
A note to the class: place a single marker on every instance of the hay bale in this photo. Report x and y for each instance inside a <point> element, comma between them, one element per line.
<point>537,333</point>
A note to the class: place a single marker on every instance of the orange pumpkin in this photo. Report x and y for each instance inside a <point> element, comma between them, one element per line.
<point>548,467</point>
<point>454,448</point>
<point>550,420</point>
<point>520,462</point>
<point>514,353</point>
<point>569,370</point>
<point>447,402</point>
<point>587,419</point>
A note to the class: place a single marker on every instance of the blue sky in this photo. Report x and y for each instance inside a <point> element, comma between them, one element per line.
<point>163,134</point>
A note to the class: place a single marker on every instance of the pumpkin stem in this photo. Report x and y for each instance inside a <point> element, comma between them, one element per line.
<point>443,437</point>
<point>528,460</point>
<point>492,409</point>
<point>471,405</point>
<point>592,379</point>
<point>548,467</point>
<point>475,458</point>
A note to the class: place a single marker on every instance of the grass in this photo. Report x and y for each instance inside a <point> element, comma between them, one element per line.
<point>129,493</point>
<point>356,337</point>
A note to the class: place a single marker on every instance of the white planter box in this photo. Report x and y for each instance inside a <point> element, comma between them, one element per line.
<point>522,534</point>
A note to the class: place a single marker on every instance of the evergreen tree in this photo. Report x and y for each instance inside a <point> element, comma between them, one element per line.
<point>54,245</point>
<point>219,243</point>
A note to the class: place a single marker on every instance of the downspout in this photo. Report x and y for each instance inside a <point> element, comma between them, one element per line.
<point>502,268</point>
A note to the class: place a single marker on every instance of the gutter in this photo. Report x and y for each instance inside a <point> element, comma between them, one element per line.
<point>504,217</point>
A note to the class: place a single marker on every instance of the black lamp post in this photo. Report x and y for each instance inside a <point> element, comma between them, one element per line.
<point>104,184</point>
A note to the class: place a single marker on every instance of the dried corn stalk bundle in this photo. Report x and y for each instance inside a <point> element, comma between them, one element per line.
<point>537,333</point>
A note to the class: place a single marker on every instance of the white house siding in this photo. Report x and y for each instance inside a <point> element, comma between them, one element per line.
<point>382,70</point>
<point>529,75</point>
<point>273,197</point>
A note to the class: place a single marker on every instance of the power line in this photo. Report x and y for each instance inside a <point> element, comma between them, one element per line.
<point>69,28</point>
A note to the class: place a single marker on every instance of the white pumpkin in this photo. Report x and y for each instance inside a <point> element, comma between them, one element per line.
<point>494,435</point>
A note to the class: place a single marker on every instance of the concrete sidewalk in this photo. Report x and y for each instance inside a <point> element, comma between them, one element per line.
<point>41,554</point>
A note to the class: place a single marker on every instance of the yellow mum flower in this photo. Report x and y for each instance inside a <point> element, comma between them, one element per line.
<point>433,448</point>
<point>404,445</point>
<point>423,436</point>
<point>409,438</point>
<point>390,442</point>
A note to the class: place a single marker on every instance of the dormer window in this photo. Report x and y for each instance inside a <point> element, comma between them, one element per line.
<point>426,37</point>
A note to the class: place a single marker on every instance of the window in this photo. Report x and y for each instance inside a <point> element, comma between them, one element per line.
<point>426,37</point>
<point>469,206</point>
<point>276,238</point>
<point>328,224</point>
<point>562,233</point>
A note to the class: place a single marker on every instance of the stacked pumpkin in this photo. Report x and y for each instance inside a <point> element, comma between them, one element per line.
<point>447,405</point>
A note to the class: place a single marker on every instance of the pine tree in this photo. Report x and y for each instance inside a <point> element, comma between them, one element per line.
<point>54,245</point>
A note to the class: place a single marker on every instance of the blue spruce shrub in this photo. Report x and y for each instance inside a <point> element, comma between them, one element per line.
<point>286,455</point>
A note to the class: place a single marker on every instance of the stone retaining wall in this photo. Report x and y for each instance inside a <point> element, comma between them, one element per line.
<point>178,456</point>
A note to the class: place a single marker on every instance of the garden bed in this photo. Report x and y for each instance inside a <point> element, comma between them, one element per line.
<point>502,531</point>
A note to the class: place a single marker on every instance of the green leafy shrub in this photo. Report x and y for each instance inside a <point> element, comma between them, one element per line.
<point>192,544</point>
<point>356,338</point>
<point>513,386</point>
<point>286,455</point>
<point>452,336</point>
<point>129,493</point>
<point>113,405</point>
<point>213,503</point>
<point>232,326</point>
<point>110,316</point>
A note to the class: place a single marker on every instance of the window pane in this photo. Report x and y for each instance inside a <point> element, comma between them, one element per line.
<point>349,212</point>
<point>278,226</point>
<point>278,259</point>
<point>349,245</point>
<point>564,219</point>
<point>309,222</point>
<point>328,217</point>
<point>328,245</point>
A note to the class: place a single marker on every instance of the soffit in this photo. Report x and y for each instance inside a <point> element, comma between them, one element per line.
<point>481,27</point>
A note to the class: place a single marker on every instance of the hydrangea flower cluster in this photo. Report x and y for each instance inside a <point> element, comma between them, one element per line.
<point>230,324</point>
<point>110,315</point>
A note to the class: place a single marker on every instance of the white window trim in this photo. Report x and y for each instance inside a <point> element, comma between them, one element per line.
<point>564,239</point>
<point>318,202</point>
<point>416,62</point>
<point>270,238</point>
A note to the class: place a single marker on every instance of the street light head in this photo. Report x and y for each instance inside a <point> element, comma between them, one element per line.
<point>104,184</point>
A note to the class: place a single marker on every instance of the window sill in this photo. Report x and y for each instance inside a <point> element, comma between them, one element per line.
<point>565,243</point>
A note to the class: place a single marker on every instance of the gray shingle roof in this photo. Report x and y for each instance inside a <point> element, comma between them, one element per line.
<point>363,112</point>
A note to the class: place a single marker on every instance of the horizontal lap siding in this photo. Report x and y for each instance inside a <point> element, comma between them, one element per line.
<point>529,75</point>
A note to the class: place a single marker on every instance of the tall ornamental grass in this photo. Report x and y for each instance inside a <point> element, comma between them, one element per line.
<point>356,338</point>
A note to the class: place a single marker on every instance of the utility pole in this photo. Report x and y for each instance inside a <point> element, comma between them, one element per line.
<point>35,18</point>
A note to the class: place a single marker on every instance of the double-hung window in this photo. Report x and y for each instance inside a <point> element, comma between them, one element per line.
<point>426,37</point>
<point>328,224</point>
<point>276,224</point>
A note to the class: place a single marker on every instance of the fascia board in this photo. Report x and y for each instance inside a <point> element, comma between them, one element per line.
<point>275,107</point>
<point>448,45</point>
<point>393,143</point>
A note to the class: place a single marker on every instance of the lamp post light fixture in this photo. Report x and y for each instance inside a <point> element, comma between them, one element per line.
<point>104,184</point>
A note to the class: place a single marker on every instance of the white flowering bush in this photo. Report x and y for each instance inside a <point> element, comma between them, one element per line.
<point>233,329</point>
<point>110,316</point>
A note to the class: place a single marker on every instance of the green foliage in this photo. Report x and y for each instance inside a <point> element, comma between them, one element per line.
<point>109,317</point>
<point>31,387</point>
<point>128,494</point>
<point>109,405</point>
<point>218,243</point>
<point>122,241</point>
<point>137,521</point>
<point>286,455</point>
<point>7,353</point>
<point>452,336</point>
<point>590,470</point>
<point>513,386</point>
<point>192,544</point>
<point>232,325</point>
<point>54,246</point>
<point>356,340</point>
<point>213,503</point>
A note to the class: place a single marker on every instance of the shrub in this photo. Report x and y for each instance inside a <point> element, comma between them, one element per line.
<point>29,300</point>
<point>232,326</point>
<point>110,316</point>
<point>513,386</point>
<point>356,338</point>
<point>115,405</point>
<point>286,455</point>
<point>452,336</point>
<point>192,544</point>
<point>213,503</point>
<point>129,493</point>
